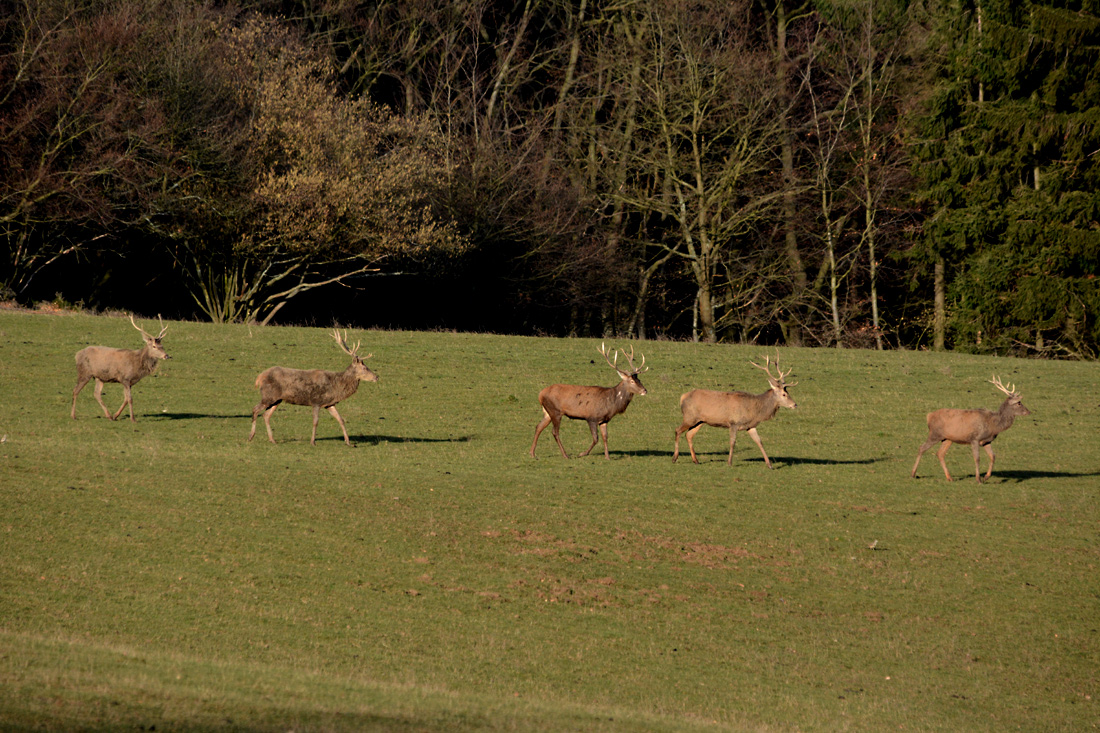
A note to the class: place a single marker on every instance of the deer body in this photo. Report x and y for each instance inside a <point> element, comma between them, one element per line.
<point>977,428</point>
<point>314,388</point>
<point>732,410</point>
<point>595,405</point>
<point>124,366</point>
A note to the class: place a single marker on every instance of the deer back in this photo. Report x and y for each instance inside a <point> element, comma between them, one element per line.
<point>126,366</point>
<point>312,386</point>
<point>728,409</point>
<point>981,425</point>
<point>591,403</point>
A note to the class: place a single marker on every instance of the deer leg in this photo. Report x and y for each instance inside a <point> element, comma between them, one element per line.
<point>267,422</point>
<point>989,450</point>
<point>691,441</point>
<point>925,446</point>
<point>99,398</point>
<point>80,382</point>
<point>126,400</point>
<point>316,417</point>
<point>538,430</point>
<point>675,448</point>
<point>733,440</point>
<point>756,439</point>
<point>977,465</point>
<point>603,434</point>
<point>595,439</point>
<point>940,454</point>
<point>332,411</point>
<point>555,428</point>
<point>255,411</point>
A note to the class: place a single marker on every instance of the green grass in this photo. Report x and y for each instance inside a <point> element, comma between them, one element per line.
<point>434,577</point>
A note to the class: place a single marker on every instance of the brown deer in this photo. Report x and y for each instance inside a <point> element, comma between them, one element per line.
<point>596,405</point>
<point>734,410</point>
<point>314,388</point>
<point>976,427</point>
<point>125,366</point>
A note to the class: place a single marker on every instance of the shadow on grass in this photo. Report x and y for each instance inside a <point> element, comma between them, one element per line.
<point>193,416</point>
<point>715,456</point>
<point>376,439</point>
<point>1018,476</point>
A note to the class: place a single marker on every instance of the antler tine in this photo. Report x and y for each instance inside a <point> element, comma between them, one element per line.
<point>613,364</point>
<point>163,328</point>
<point>782,376</point>
<point>343,343</point>
<point>1010,390</point>
<point>767,366</point>
<point>138,327</point>
<point>630,360</point>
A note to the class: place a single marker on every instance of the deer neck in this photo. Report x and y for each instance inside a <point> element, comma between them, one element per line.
<point>1004,416</point>
<point>146,361</point>
<point>346,382</point>
<point>621,396</point>
<point>769,404</point>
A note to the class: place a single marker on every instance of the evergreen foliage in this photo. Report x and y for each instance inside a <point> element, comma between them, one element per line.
<point>1011,173</point>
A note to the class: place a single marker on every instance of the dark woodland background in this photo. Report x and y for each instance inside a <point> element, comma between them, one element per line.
<point>863,173</point>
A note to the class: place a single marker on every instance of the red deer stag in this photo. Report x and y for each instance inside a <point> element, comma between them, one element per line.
<point>976,427</point>
<point>734,410</point>
<point>596,405</point>
<point>314,388</point>
<point>125,366</point>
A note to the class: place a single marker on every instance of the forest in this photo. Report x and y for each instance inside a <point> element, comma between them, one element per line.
<point>845,173</point>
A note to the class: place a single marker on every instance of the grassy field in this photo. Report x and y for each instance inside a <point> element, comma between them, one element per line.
<point>433,577</point>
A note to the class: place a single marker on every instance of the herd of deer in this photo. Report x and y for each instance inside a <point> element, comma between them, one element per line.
<point>317,388</point>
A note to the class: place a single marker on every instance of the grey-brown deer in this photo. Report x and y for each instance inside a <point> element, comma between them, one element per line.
<point>595,405</point>
<point>974,427</point>
<point>314,388</point>
<point>125,366</point>
<point>734,410</point>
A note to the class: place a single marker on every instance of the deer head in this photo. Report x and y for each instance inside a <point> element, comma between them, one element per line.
<point>778,381</point>
<point>630,378</point>
<point>152,343</point>
<point>1012,401</point>
<point>357,367</point>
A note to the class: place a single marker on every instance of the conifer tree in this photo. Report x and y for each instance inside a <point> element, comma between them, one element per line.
<point>1011,176</point>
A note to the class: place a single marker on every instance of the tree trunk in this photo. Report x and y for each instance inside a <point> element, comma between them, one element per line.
<point>939,318</point>
<point>792,329</point>
<point>706,313</point>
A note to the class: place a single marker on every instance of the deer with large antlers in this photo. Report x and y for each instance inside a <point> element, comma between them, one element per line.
<point>314,388</point>
<point>125,366</point>
<point>595,405</point>
<point>734,410</point>
<point>975,427</point>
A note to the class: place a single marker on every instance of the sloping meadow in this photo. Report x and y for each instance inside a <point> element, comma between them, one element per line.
<point>433,576</point>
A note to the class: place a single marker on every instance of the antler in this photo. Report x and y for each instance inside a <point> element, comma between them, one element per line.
<point>629,360</point>
<point>1010,390</point>
<point>613,364</point>
<point>767,370</point>
<point>159,336</point>
<point>342,342</point>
